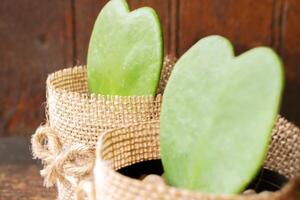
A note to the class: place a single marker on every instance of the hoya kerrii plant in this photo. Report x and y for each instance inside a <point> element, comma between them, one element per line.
<point>125,53</point>
<point>217,116</point>
<point>218,110</point>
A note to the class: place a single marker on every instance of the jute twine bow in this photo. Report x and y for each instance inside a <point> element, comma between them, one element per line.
<point>69,163</point>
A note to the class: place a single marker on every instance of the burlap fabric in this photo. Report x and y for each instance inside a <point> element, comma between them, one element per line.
<point>125,146</point>
<point>66,142</point>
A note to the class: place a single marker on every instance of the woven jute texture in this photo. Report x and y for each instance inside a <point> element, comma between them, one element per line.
<point>128,145</point>
<point>66,142</point>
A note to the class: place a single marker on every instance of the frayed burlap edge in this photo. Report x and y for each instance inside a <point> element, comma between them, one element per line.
<point>136,143</point>
<point>78,117</point>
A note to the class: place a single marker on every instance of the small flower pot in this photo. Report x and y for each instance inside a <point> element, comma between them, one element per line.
<point>126,154</point>
<point>75,119</point>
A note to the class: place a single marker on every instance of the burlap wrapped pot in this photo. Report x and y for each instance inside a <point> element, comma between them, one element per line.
<point>66,142</point>
<point>136,143</point>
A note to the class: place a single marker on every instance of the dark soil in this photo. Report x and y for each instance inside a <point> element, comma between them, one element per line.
<point>266,180</point>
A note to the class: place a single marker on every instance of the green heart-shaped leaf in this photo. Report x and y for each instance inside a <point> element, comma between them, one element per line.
<point>217,116</point>
<point>125,51</point>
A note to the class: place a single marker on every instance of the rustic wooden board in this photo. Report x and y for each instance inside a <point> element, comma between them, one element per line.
<point>290,39</point>
<point>23,182</point>
<point>290,50</point>
<point>19,174</point>
<point>246,23</point>
<point>36,38</point>
<point>85,14</point>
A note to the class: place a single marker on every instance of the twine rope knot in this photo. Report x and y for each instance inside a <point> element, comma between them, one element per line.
<point>65,163</point>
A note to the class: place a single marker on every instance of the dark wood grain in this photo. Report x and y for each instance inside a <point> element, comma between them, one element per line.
<point>246,23</point>
<point>174,23</point>
<point>36,38</point>
<point>290,48</point>
<point>23,183</point>
<point>19,174</point>
<point>290,51</point>
<point>85,14</point>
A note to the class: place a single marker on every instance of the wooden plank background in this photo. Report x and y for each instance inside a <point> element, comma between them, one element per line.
<point>39,37</point>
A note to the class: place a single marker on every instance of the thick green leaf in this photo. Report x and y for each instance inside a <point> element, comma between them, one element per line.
<point>217,116</point>
<point>125,51</point>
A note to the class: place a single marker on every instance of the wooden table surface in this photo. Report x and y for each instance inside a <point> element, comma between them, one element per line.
<point>19,174</point>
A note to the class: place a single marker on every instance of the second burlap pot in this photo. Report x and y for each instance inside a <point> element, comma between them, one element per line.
<point>66,142</point>
<point>129,145</point>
